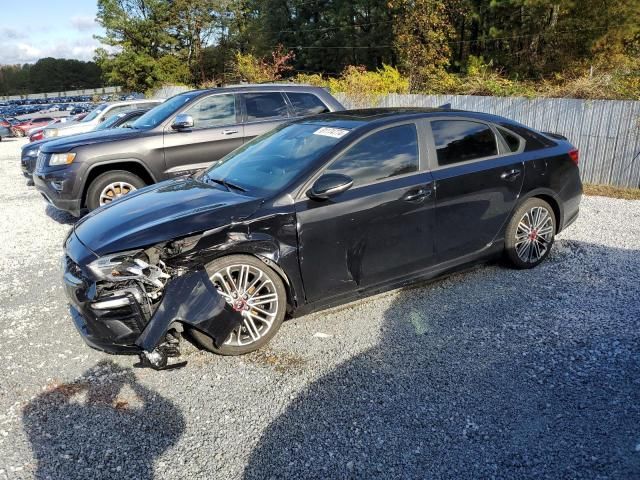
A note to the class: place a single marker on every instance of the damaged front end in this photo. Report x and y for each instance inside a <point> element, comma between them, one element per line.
<point>134,303</point>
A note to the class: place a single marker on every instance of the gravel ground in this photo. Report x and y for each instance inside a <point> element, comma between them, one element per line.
<point>493,373</point>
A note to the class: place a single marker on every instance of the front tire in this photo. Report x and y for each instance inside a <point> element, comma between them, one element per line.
<point>254,289</point>
<point>530,233</point>
<point>108,186</point>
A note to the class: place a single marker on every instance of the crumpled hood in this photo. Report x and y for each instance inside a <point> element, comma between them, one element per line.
<point>161,212</point>
<point>64,144</point>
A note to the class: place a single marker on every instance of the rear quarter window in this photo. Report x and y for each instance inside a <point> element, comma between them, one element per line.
<point>306,103</point>
<point>533,140</point>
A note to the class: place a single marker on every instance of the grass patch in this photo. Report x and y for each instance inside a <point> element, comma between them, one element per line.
<point>614,192</point>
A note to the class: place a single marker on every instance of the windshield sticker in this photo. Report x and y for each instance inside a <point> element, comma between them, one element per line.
<point>331,132</point>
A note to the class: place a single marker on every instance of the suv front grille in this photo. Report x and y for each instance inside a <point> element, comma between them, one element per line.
<point>43,159</point>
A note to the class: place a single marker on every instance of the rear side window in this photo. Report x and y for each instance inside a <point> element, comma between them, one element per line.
<point>512,141</point>
<point>214,111</point>
<point>384,154</point>
<point>265,105</point>
<point>306,103</point>
<point>462,140</point>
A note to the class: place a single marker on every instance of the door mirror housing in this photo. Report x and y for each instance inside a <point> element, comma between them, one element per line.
<point>328,185</point>
<point>182,122</point>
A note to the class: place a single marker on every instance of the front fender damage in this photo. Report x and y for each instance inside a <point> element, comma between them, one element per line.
<point>190,299</point>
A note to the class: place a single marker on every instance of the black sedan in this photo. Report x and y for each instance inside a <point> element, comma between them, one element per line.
<point>316,213</point>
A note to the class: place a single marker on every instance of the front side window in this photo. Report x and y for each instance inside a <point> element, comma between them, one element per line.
<point>214,111</point>
<point>265,105</point>
<point>381,155</point>
<point>164,110</point>
<point>462,140</point>
<point>306,103</point>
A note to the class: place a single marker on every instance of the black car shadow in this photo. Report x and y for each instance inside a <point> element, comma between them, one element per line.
<point>60,216</point>
<point>538,379</point>
<point>104,424</point>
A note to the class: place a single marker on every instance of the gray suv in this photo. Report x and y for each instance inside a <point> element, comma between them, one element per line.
<point>183,135</point>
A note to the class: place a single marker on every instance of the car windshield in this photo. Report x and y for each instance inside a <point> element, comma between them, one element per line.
<point>159,114</point>
<point>270,162</point>
<point>95,112</point>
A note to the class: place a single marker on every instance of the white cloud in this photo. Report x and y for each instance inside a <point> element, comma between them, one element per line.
<point>29,52</point>
<point>84,23</point>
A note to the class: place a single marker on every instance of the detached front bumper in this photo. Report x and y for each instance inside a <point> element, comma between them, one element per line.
<point>118,322</point>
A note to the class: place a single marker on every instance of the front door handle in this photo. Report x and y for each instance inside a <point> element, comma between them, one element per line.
<point>229,132</point>
<point>417,195</point>
<point>510,175</point>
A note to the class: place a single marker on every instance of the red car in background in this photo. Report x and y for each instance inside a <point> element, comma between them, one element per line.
<point>38,133</point>
<point>22,128</point>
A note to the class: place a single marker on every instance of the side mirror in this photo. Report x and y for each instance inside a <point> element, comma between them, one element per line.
<point>328,185</point>
<point>182,122</point>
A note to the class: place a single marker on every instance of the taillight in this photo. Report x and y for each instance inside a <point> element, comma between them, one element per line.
<point>574,155</point>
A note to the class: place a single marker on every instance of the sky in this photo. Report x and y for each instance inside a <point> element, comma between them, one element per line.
<point>34,29</point>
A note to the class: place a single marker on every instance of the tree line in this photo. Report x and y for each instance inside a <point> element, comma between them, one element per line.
<point>49,75</point>
<point>198,41</point>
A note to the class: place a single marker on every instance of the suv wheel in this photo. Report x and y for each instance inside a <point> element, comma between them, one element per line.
<point>108,186</point>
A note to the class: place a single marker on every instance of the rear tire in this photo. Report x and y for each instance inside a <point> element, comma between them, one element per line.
<point>108,186</point>
<point>530,233</point>
<point>260,283</point>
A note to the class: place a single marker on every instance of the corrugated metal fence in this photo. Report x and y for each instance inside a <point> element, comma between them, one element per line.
<point>607,132</point>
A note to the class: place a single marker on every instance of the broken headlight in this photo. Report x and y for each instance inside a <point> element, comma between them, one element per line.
<point>120,266</point>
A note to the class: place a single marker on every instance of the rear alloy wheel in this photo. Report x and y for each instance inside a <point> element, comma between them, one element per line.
<point>254,290</point>
<point>111,185</point>
<point>530,234</point>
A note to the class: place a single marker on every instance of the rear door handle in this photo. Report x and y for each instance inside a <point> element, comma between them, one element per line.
<point>229,132</point>
<point>510,175</point>
<point>417,195</point>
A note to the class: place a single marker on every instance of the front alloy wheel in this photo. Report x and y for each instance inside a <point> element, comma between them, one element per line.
<point>256,292</point>
<point>530,233</point>
<point>107,187</point>
<point>115,190</point>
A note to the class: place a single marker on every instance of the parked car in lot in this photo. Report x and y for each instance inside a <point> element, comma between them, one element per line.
<point>4,132</point>
<point>22,128</point>
<point>179,137</point>
<point>37,133</point>
<point>313,214</point>
<point>99,115</point>
<point>29,152</point>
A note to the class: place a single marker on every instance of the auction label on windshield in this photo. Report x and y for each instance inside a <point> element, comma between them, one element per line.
<point>331,132</point>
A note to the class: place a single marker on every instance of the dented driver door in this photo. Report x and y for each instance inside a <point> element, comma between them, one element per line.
<point>380,229</point>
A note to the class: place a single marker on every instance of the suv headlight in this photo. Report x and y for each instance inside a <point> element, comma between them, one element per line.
<point>51,132</point>
<point>119,267</point>
<point>62,158</point>
<point>32,152</point>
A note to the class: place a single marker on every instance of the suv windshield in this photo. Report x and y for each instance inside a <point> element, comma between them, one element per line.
<point>95,112</point>
<point>271,161</point>
<point>159,114</point>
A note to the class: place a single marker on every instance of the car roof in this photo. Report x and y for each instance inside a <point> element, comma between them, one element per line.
<point>374,117</point>
<point>254,87</point>
<point>130,102</point>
